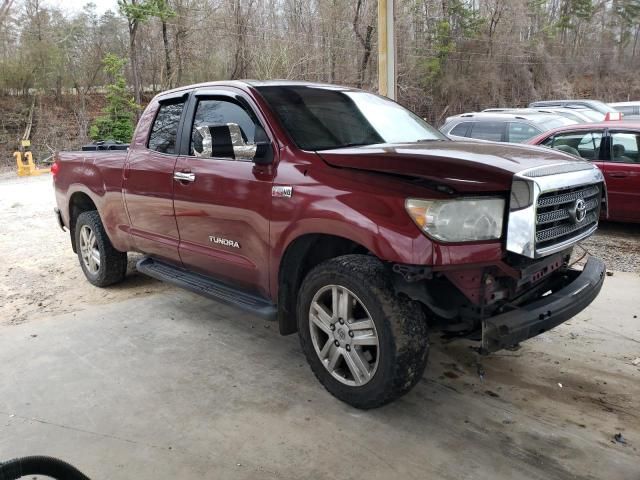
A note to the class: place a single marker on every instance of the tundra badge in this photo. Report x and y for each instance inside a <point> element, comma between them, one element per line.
<point>281,192</point>
<point>224,241</point>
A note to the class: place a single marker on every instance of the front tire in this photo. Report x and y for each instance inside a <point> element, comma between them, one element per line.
<point>366,345</point>
<point>102,264</point>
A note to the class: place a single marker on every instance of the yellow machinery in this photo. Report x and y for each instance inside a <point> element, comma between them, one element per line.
<point>28,167</point>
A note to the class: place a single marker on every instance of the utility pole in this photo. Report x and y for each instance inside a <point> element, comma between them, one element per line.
<point>386,49</point>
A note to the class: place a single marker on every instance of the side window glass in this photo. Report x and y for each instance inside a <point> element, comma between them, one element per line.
<point>491,131</point>
<point>624,147</point>
<point>548,142</point>
<point>165,128</point>
<point>520,132</point>
<point>224,129</point>
<point>581,144</point>
<point>627,110</point>
<point>460,130</point>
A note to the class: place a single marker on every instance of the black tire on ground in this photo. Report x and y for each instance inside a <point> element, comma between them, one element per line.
<point>400,323</point>
<point>113,263</point>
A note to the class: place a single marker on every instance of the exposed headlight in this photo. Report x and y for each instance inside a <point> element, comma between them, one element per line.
<point>521,195</point>
<point>458,220</point>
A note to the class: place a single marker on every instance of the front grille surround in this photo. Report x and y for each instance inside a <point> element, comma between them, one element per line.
<point>548,224</point>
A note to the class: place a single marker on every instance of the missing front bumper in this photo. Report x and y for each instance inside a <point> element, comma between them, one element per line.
<point>529,320</point>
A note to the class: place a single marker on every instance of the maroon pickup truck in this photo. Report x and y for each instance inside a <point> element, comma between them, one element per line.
<point>344,217</point>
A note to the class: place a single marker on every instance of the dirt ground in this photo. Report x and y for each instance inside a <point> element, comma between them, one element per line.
<point>40,271</point>
<point>186,387</point>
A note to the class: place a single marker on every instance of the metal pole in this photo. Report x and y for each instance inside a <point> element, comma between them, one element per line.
<point>386,49</point>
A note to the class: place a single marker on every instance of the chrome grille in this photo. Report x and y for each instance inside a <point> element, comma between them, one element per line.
<point>556,222</point>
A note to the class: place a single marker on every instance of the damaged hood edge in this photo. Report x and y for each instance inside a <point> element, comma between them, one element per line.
<point>459,166</point>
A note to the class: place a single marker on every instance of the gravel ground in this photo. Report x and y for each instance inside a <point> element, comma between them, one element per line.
<point>618,244</point>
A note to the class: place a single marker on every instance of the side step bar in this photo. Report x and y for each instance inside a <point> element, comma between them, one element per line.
<point>207,287</point>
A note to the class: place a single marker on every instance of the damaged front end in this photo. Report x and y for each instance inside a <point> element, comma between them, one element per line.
<point>533,287</point>
<point>506,303</point>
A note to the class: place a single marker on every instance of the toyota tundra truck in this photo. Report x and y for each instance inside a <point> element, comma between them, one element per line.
<point>342,216</point>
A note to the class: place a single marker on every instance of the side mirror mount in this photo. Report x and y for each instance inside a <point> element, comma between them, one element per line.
<point>228,140</point>
<point>264,153</point>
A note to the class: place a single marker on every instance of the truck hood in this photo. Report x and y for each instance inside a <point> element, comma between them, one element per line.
<point>461,166</point>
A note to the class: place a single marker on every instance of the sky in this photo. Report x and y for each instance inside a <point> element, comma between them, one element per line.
<point>75,6</point>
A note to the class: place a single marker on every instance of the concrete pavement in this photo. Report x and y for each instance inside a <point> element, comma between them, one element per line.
<point>171,385</point>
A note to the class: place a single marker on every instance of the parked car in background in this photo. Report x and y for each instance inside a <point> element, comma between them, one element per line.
<point>596,105</point>
<point>502,127</point>
<point>612,146</point>
<point>576,113</point>
<point>631,110</point>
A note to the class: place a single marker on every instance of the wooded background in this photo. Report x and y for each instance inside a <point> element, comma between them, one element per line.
<point>453,55</point>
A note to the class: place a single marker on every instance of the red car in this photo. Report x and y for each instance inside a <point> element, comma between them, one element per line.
<point>613,147</point>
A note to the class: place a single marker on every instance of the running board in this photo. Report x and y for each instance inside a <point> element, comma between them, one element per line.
<point>207,287</point>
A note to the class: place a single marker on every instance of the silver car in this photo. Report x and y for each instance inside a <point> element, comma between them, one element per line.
<point>577,113</point>
<point>502,127</point>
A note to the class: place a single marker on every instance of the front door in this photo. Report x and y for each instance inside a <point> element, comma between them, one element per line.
<point>148,182</point>
<point>223,207</point>
<point>622,175</point>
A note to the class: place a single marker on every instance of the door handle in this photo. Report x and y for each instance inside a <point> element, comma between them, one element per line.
<point>618,175</point>
<point>184,177</point>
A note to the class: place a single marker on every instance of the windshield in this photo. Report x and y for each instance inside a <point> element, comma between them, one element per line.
<point>323,118</point>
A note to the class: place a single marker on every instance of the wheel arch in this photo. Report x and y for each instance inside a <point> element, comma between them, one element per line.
<point>301,255</point>
<point>79,202</point>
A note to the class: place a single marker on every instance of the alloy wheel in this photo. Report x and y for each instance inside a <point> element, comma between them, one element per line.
<point>344,335</point>
<point>89,249</point>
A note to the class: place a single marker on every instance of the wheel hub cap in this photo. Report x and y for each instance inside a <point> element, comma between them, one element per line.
<point>341,334</point>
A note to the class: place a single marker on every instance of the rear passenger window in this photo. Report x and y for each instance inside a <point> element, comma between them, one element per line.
<point>492,131</point>
<point>460,130</point>
<point>624,147</point>
<point>165,128</point>
<point>627,110</point>
<point>520,132</point>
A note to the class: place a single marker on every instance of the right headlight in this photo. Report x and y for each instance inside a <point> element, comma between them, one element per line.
<point>458,220</point>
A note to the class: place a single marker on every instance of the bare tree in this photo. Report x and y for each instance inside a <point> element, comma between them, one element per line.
<point>365,41</point>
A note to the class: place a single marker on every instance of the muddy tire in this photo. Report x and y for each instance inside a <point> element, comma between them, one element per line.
<point>366,345</point>
<point>102,264</point>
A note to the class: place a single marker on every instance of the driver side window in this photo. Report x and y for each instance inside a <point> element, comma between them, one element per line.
<point>225,130</point>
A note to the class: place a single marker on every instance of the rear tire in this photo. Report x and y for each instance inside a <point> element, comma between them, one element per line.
<point>376,354</point>
<point>102,264</point>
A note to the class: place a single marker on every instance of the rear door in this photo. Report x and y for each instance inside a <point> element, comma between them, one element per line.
<point>223,211</point>
<point>148,180</point>
<point>520,132</point>
<point>622,175</point>
<point>493,131</point>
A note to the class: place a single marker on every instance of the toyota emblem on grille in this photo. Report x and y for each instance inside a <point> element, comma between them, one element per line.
<point>580,210</point>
